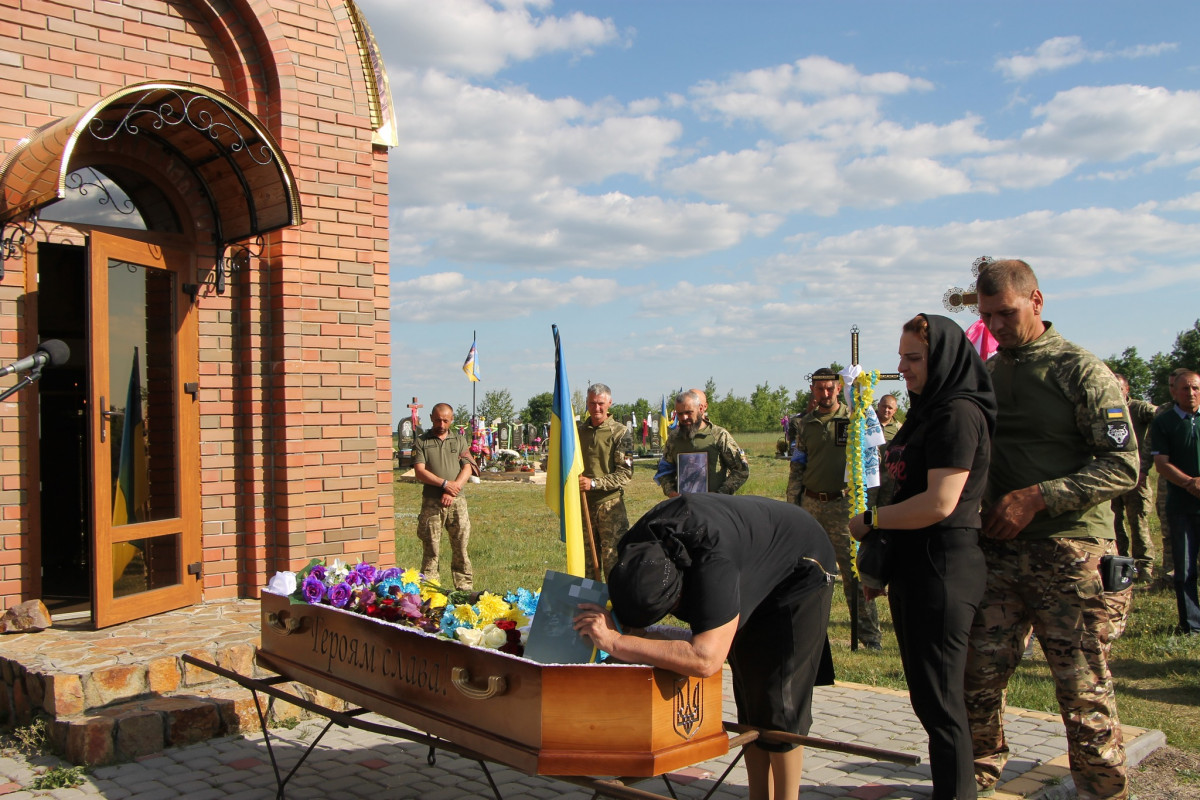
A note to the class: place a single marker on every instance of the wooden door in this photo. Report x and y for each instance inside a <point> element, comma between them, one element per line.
<point>144,430</point>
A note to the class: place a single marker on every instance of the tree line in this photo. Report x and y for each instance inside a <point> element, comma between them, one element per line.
<point>763,409</point>
<point>1148,379</point>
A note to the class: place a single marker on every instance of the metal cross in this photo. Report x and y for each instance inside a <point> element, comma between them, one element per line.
<point>956,299</point>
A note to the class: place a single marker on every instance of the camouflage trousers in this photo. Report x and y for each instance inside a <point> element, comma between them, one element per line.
<point>455,520</point>
<point>1164,528</point>
<point>609,524</point>
<point>833,515</point>
<point>1053,586</point>
<point>1131,521</point>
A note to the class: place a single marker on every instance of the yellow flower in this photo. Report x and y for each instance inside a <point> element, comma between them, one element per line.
<point>411,575</point>
<point>436,599</point>
<point>466,615</point>
<point>491,607</point>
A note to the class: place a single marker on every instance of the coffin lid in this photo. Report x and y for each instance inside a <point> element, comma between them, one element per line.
<point>209,133</point>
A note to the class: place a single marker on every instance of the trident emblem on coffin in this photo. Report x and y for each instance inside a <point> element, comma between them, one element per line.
<point>689,707</point>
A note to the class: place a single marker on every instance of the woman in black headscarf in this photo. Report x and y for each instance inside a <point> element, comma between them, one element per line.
<point>939,460</point>
<point>753,579</point>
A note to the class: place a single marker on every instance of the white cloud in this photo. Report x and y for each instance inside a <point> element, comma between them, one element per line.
<point>446,296</point>
<point>1017,170</point>
<point>569,229</point>
<point>460,140</point>
<point>1190,202</point>
<point>478,37</point>
<point>812,177</point>
<point>1067,51</point>
<point>1112,123</point>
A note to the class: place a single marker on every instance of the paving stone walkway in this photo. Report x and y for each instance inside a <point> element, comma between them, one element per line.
<point>352,763</point>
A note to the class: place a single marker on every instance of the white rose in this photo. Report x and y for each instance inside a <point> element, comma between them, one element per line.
<point>471,636</point>
<point>283,583</point>
<point>494,637</point>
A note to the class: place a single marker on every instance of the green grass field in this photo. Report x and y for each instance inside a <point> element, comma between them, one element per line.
<point>514,540</point>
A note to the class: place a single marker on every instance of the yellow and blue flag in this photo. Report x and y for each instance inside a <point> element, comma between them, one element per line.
<point>664,422</point>
<point>564,465</point>
<point>132,489</point>
<point>469,365</point>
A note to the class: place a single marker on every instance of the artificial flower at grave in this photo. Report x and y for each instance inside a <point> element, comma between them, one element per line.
<point>407,597</point>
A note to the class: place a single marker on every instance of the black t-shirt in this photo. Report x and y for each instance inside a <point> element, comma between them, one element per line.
<point>955,437</point>
<point>745,551</point>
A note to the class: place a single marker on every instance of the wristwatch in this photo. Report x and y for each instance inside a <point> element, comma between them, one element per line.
<point>869,519</point>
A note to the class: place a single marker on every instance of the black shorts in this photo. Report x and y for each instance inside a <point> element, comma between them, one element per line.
<point>778,656</point>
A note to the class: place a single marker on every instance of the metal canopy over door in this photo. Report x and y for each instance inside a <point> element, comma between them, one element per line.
<point>144,431</point>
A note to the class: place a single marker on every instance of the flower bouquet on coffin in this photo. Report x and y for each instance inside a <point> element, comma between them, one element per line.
<point>408,598</point>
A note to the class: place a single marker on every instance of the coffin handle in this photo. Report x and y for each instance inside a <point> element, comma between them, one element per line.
<point>284,624</point>
<point>496,685</point>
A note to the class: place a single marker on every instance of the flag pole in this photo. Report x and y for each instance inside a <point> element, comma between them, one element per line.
<point>473,395</point>
<point>586,513</point>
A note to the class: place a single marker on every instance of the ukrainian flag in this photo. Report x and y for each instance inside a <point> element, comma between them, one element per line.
<point>469,365</point>
<point>664,422</point>
<point>132,482</point>
<point>132,491</point>
<point>564,465</point>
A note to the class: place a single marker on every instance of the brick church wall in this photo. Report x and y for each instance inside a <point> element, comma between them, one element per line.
<point>295,417</point>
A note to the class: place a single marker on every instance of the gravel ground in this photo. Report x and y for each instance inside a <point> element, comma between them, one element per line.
<point>1166,774</point>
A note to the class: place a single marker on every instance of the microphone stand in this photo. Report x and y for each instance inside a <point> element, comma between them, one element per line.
<point>32,376</point>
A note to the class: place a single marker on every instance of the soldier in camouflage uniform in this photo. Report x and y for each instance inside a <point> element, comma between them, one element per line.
<point>1063,447</point>
<point>817,483</point>
<point>727,466</point>
<point>607,466</point>
<point>442,462</point>
<point>1132,509</point>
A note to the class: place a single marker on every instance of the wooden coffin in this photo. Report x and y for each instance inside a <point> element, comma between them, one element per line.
<point>571,719</point>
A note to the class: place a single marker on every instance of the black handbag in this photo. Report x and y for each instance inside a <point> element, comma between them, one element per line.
<point>874,561</point>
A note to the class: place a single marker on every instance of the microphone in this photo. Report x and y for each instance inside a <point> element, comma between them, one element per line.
<point>52,353</point>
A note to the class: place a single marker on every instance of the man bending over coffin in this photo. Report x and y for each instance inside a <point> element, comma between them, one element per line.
<point>753,578</point>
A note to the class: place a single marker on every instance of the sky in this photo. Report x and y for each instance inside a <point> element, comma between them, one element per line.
<point>695,190</point>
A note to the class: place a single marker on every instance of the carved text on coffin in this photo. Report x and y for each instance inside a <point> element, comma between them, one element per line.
<point>391,662</point>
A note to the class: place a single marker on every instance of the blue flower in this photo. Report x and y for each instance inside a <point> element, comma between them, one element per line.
<point>525,600</point>
<point>450,623</point>
<point>384,586</point>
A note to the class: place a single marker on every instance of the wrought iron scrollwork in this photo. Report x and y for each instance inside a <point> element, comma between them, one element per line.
<point>235,256</point>
<point>13,236</point>
<point>86,180</point>
<point>197,111</point>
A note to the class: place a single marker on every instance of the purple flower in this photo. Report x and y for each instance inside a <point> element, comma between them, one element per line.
<point>388,574</point>
<point>314,590</point>
<point>340,595</point>
<point>367,571</point>
<point>410,605</point>
<point>318,572</point>
<point>354,578</point>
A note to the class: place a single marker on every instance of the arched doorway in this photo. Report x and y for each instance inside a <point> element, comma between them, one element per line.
<point>186,174</point>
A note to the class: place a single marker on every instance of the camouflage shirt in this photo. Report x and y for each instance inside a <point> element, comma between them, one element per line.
<point>1062,426</point>
<point>1142,414</point>
<point>819,456</point>
<point>727,466</point>
<point>606,452</point>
